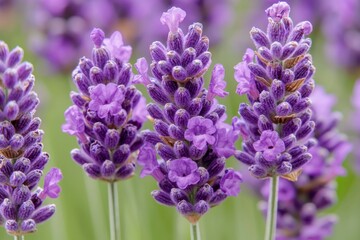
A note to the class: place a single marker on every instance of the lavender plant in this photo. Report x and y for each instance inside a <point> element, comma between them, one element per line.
<point>21,155</point>
<point>190,135</point>
<point>107,114</point>
<point>300,202</point>
<point>276,124</point>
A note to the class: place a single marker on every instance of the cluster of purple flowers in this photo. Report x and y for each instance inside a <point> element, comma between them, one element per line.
<point>190,135</point>
<point>108,111</point>
<point>21,157</point>
<point>61,25</point>
<point>277,79</point>
<point>315,190</point>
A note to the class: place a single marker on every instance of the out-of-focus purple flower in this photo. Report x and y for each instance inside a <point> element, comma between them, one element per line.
<point>183,172</point>
<point>51,184</point>
<point>355,116</point>
<point>106,99</point>
<point>172,18</point>
<point>230,183</point>
<point>200,131</point>
<point>278,11</point>
<point>142,67</point>
<point>147,159</point>
<point>277,79</point>
<point>116,47</point>
<point>243,76</point>
<point>269,144</point>
<point>190,135</point>
<point>75,124</point>
<point>226,137</point>
<point>22,159</point>
<point>112,110</point>
<point>217,83</point>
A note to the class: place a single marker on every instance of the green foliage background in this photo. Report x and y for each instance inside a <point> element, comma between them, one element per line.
<point>82,208</point>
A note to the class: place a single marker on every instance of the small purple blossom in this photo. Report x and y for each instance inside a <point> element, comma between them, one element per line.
<point>97,36</point>
<point>183,172</point>
<point>106,99</point>
<point>278,11</point>
<point>116,47</point>
<point>225,140</point>
<point>139,113</point>
<point>51,187</point>
<point>217,83</point>
<point>200,131</point>
<point>230,182</point>
<point>243,76</point>
<point>75,124</point>
<point>172,18</point>
<point>147,159</point>
<point>270,144</point>
<point>142,67</point>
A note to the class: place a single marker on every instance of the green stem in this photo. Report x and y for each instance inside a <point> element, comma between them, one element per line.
<point>114,212</point>
<point>272,209</point>
<point>19,237</point>
<point>195,231</point>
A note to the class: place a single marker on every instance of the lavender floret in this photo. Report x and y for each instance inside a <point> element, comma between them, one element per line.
<point>22,159</point>
<point>277,79</point>
<point>190,135</point>
<point>108,111</point>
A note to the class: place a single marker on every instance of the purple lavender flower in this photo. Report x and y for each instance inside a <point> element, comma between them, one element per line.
<point>188,122</point>
<point>108,111</point>
<point>184,172</point>
<point>200,131</point>
<point>277,79</point>
<point>270,145</point>
<point>21,157</point>
<point>300,202</point>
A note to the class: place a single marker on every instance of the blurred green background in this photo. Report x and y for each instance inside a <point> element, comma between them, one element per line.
<point>82,212</point>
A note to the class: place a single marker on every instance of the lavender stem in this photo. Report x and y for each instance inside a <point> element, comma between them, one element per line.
<point>195,231</point>
<point>272,209</point>
<point>19,237</point>
<point>114,212</point>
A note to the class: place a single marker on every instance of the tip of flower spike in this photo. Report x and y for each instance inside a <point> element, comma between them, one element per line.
<point>172,18</point>
<point>97,36</point>
<point>278,11</point>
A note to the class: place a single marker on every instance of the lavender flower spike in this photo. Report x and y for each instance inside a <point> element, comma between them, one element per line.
<point>277,79</point>
<point>21,157</point>
<point>190,137</point>
<point>301,202</point>
<point>106,117</point>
